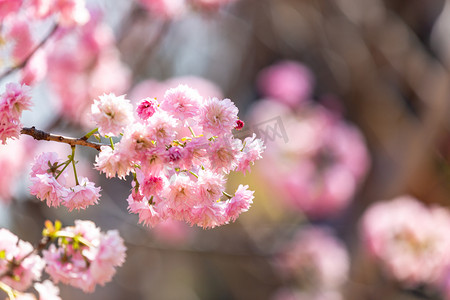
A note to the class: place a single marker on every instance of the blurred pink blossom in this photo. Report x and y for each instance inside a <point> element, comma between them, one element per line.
<point>410,240</point>
<point>23,41</point>
<point>316,259</point>
<point>319,168</point>
<point>289,82</point>
<point>96,69</point>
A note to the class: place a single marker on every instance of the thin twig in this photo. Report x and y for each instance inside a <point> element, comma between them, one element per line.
<point>29,56</point>
<point>42,135</point>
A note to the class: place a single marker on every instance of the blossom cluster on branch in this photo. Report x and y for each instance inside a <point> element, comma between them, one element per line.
<point>179,150</point>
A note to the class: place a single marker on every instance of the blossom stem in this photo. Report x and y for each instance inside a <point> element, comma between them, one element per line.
<point>70,235</point>
<point>74,167</point>
<point>8,290</point>
<point>192,131</point>
<point>112,142</point>
<point>67,164</point>
<point>42,135</point>
<point>193,173</point>
<point>89,134</point>
<point>227,195</point>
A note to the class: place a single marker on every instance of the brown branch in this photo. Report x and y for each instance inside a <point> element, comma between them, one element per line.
<point>42,135</point>
<point>29,56</point>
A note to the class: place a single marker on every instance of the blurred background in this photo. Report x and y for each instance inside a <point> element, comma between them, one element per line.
<point>351,98</point>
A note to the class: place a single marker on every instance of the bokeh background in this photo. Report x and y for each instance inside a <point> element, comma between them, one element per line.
<point>374,70</point>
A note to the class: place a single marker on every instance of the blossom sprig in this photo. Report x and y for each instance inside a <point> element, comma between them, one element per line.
<point>80,255</point>
<point>179,150</point>
<point>48,178</point>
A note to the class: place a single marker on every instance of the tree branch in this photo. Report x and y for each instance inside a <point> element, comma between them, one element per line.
<point>42,135</point>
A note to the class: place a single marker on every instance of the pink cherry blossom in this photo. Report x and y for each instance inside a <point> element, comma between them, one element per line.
<point>181,191</point>
<point>111,113</point>
<point>210,186</point>
<point>408,239</point>
<point>182,102</point>
<point>218,117</point>
<point>146,108</point>
<point>14,101</point>
<point>112,162</point>
<point>163,127</point>
<point>149,213</point>
<point>44,162</point>
<point>47,188</point>
<point>224,154</point>
<point>152,185</point>
<point>240,203</point>
<point>81,196</point>
<point>251,151</point>
<point>208,216</point>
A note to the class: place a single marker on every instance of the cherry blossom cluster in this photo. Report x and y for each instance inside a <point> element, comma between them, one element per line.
<point>316,261</point>
<point>179,150</point>
<point>317,171</point>
<point>49,183</point>
<point>410,240</point>
<point>79,255</point>
<point>13,102</point>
